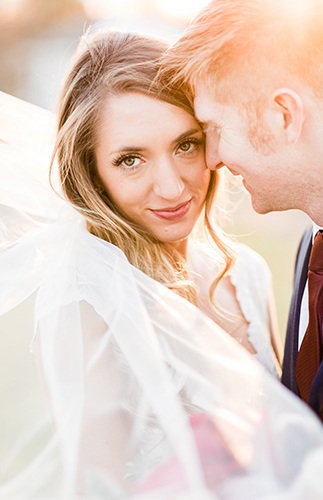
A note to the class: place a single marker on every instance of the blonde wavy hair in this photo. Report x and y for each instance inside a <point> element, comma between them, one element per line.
<point>106,64</point>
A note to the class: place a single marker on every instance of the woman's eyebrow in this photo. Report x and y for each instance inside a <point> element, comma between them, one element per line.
<point>127,149</point>
<point>186,134</point>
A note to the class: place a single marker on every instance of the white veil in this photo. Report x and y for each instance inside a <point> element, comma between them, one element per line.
<point>148,398</point>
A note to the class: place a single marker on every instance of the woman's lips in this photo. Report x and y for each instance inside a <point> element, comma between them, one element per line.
<point>173,213</point>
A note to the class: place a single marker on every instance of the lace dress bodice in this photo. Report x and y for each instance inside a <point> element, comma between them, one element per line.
<point>251,279</point>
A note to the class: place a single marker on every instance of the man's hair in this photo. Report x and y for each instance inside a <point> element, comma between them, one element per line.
<point>237,47</point>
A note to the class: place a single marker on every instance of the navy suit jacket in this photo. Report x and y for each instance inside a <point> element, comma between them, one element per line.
<point>291,344</point>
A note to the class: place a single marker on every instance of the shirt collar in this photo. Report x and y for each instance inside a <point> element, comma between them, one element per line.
<point>316,228</point>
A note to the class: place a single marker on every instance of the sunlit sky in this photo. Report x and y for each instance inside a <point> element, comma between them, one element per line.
<point>178,10</point>
<point>181,9</point>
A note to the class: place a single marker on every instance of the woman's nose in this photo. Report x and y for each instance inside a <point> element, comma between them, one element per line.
<point>168,182</point>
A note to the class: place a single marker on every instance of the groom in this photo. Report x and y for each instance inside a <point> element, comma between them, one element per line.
<point>256,68</point>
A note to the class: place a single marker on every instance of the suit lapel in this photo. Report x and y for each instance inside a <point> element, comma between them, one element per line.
<point>291,344</point>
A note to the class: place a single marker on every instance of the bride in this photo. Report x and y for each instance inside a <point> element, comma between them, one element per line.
<point>131,160</point>
<point>148,396</point>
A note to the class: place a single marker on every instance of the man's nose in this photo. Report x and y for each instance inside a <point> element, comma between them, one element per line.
<point>168,183</point>
<point>212,157</point>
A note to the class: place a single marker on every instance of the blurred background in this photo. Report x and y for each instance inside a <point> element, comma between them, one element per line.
<point>37,39</point>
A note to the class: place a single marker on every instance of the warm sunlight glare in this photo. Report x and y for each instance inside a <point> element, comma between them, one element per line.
<point>110,8</point>
<point>10,8</point>
<point>297,8</point>
<point>182,10</point>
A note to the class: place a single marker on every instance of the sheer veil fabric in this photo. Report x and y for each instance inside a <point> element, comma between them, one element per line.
<point>148,398</point>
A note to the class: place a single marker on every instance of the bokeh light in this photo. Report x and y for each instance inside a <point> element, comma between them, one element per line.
<point>181,10</point>
<point>110,9</point>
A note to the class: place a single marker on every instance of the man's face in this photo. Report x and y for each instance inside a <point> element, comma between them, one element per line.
<point>266,174</point>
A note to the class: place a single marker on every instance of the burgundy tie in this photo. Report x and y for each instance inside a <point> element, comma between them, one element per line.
<point>310,353</point>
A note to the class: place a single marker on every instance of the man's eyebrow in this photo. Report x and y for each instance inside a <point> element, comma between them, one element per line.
<point>186,134</point>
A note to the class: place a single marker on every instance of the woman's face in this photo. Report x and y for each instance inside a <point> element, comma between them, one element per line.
<point>150,159</point>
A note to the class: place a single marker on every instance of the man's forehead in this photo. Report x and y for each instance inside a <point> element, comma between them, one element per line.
<point>207,109</point>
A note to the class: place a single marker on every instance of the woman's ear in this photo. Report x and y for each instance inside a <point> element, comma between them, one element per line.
<point>290,105</point>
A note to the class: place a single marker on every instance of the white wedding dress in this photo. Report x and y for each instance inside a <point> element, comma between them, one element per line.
<point>252,282</point>
<point>148,397</point>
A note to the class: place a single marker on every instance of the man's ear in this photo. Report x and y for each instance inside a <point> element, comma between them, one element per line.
<point>290,105</point>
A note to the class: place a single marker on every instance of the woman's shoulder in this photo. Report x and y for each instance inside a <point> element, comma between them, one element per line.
<point>252,268</point>
<point>247,256</point>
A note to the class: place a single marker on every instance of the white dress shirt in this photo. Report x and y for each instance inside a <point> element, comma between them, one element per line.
<point>303,319</point>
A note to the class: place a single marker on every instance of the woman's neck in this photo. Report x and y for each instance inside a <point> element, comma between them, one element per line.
<point>181,247</point>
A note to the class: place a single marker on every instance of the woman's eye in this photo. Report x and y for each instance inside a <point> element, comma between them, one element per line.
<point>191,146</point>
<point>186,146</point>
<point>130,161</point>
